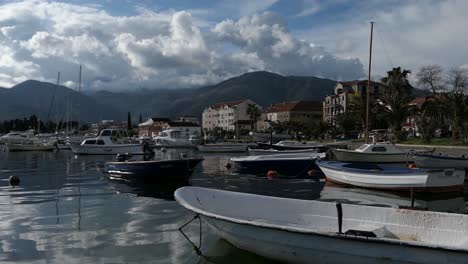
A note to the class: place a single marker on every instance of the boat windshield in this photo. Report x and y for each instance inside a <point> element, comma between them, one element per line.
<point>106,133</point>
<point>362,147</point>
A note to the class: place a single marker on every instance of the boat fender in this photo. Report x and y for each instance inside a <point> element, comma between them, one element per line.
<point>339,212</point>
<point>14,180</point>
<point>272,175</point>
<point>228,166</point>
<point>313,173</point>
<point>412,166</point>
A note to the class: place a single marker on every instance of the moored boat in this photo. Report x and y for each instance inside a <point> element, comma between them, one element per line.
<point>153,170</point>
<point>173,138</point>
<point>298,164</point>
<point>303,231</point>
<point>223,147</point>
<point>292,145</point>
<point>440,161</point>
<point>255,151</point>
<point>382,152</point>
<point>108,142</point>
<point>375,176</point>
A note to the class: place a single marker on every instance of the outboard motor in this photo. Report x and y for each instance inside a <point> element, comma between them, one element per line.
<point>122,157</point>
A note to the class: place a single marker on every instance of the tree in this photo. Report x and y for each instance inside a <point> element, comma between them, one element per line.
<point>427,118</point>
<point>457,79</point>
<point>395,102</point>
<point>254,114</point>
<point>129,121</point>
<point>431,77</point>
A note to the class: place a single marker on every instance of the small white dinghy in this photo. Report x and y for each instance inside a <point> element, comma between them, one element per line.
<point>387,177</point>
<point>440,161</point>
<point>302,231</point>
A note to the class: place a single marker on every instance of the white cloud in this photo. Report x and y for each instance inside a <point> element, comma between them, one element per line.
<point>163,49</point>
<point>410,34</point>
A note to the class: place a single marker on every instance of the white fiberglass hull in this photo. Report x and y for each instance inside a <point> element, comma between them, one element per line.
<point>108,150</point>
<point>435,180</point>
<point>275,152</point>
<point>429,161</point>
<point>301,231</point>
<point>355,156</point>
<point>222,148</point>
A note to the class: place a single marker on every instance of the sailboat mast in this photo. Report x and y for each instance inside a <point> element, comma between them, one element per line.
<point>369,83</point>
<point>79,101</point>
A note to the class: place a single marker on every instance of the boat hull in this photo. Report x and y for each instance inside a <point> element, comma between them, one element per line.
<point>304,231</point>
<point>274,151</point>
<point>430,161</point>
<point>291,247</point>
<point>215,148</point>
<point>354,156</point>
<point>166,170</point>
<point>110,150</point>
<point>418,180</point>
<point>282,167</point>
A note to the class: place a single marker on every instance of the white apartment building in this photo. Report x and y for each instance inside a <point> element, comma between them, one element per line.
<point>226,115</point>
<point>338,102</point>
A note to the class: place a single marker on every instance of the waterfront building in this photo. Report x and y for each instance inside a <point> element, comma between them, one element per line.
<point>295,111</point>
<point>339,101</point>
<point>152,126</point>
<point>226,115</point>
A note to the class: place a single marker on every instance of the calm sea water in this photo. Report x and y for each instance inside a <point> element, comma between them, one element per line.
<point>66,211</point>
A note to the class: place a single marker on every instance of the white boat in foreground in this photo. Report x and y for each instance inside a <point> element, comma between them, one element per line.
<point>223,147</point>
<point>440,161</point>
<point>302,231</point>
<point>391,177</point>
<point>382,152</point>
<point>109,142</point>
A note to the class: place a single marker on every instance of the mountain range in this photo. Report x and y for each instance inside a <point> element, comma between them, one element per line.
<point>48,100</point>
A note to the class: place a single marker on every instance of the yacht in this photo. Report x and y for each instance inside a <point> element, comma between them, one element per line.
<point>17,137</point>
<point>108,142</point>
<point>174,138</point>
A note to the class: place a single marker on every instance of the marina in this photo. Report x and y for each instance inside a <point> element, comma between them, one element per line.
<point>73,196</point>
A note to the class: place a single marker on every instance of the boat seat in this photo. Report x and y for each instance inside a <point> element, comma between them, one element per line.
<point>370,231</point>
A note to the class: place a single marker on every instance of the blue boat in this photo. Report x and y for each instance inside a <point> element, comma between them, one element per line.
<point>153,170</point>
<point>284,164</point>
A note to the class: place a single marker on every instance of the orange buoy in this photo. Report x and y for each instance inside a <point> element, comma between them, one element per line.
<point>272,175</point>
<point>228,166</point>
<point>412,166</point>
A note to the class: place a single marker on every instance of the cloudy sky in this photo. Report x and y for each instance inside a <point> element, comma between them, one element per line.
<point>126,44</point>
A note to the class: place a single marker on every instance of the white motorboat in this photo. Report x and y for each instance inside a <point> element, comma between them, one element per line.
<point>108,142</point>
<point>173,138</point>
<point>440,161</point>
<point>375,176</point>
<point>304,231</point>
<point>223,147</point>
<point>444,202</point>
<point>298,164</point>
<point>382,152</point>
<point>293,145</point>
<point>17,137</point>
<point>271,151</point>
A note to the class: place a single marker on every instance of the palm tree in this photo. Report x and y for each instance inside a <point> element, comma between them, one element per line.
<point>396,99</point>
<point>254,114</point>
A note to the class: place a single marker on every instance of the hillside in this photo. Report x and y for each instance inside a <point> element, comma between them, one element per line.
<point>265,88</point>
